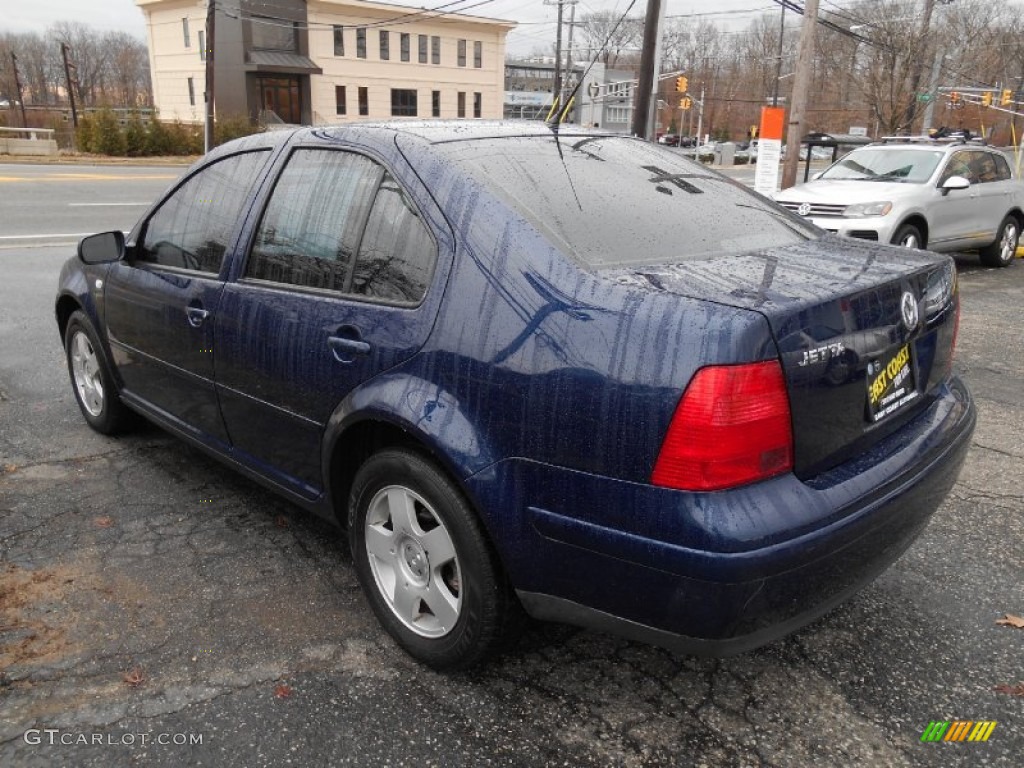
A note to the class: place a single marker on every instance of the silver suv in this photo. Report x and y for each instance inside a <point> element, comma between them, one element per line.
<point>955,196</point>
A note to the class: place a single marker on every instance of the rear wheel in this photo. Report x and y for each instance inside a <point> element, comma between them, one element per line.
<point>1001,252</point>
<point>92,378</point>
<point>908,236</point>
<point>425,564</point>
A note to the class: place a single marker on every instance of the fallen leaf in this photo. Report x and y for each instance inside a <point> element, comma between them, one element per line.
<point>135,677</point>
<point>1012,690</point>
<point>283,691</point>
<point>281,521</point>
<point>1009,620</point>
<point>104,522</point>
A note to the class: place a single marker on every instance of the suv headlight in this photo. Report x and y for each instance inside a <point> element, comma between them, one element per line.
<point>868,209</point>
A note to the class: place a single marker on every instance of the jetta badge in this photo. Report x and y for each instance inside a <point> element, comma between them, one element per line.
<point>908,309</point>
<point>804,209</point>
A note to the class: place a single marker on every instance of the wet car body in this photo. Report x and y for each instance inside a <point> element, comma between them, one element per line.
<point>543,379</point>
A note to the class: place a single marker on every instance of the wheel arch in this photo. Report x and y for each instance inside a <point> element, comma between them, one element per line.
<point>918,220</point>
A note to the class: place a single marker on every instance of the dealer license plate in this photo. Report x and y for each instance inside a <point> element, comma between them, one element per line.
<point>891,385</point>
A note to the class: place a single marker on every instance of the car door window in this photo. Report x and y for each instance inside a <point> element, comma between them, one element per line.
<point>192,228</point>
<point>397,254</point>
<point>983,166</point>
<point>959,165</point>
<point>310,230</point>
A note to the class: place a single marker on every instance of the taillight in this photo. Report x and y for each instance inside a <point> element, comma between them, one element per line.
<point>731,427</point>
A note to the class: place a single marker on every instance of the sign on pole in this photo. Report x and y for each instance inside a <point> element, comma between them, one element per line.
<point>769,150</point>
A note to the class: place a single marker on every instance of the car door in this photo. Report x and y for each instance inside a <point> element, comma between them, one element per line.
<point>993,192</point>
<point>953,215</point>
<point>331,295</point>
<point>160,302</point>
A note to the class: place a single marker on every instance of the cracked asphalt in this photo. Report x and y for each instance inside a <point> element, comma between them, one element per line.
<point>157,609</point>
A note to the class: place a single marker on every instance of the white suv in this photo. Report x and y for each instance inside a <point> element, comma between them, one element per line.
<point>922,194</point>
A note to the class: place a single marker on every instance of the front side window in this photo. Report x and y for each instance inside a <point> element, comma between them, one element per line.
<point>403,102</point>
<point>959,165</point>
<point>192,228</point>
<point>310,229</point>
<point>396,254</point>
<point>385,46</point>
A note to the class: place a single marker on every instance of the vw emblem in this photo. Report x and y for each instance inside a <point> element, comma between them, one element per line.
<point>804,209</point>
<point>908,310</point>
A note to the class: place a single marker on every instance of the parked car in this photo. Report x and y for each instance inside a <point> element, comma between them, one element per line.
<point>669,139</point>
<point>566,374</point>
<point>946,197</point>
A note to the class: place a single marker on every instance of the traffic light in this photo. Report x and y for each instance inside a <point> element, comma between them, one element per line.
<point>1006,98</point>
<point>685,103</point>
<point>682,84</point>
<point>986,99</point>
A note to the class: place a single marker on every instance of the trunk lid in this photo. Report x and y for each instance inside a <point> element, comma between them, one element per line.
<point>865,333</point>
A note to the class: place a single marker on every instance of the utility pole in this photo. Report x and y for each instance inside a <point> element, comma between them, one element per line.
<point>778,66</point>
<point>801,86</point>
<point>568,55</point>
<point>915,78</point>
<point>68,66</point>
<point>556,91</point>
<point>211,18</point>
<point>647,80</point>
<point>17,85</point>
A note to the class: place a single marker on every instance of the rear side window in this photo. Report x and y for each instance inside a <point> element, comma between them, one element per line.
<point>192,228</point>
<point>310,230</point>
<point>614,201</point>
<point>338,221</point>
<point>1002,168</point>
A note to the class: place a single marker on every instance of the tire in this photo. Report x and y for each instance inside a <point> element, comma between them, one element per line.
<point>92,379</point>
<point>1003,249</point>
<point>425,564</point>
<point>909,236</point>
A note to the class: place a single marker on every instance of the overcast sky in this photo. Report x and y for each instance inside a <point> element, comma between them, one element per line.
<point>536,30</point>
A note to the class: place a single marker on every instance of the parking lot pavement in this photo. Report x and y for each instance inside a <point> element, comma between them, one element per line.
<point>157,608</point>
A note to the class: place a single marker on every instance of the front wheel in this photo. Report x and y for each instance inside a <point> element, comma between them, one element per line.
<point>908,236</point>
<point>1001,252</point>
<point>92,378</point>
<point>425,564</point>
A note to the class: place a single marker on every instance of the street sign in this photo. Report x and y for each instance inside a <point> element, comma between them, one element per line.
<point>924,98</point>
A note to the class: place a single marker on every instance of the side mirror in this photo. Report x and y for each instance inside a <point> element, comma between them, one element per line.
<point>103,248</point>
<point>954,182</point>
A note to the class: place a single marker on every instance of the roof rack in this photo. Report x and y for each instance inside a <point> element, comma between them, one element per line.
<point>941,136</point>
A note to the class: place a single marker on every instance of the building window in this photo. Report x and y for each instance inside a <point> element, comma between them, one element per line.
<point>478,54</point>
<point>404,42</point>
<point>462,53</point>
<point>191,92</point>
<point>184,29</point>
<point>340,107</point>
<point>364,102</point>
<point>269,34</point>
<point>202,45</point>
<point>385,46</point>
<point>435,103</point>
<point>462,104</point>
<point>435,50</point>
<point>423,49</point>
<point>478,104</point>
<point>339,40</point>
<point>361,43</point>
<point>403,102</point>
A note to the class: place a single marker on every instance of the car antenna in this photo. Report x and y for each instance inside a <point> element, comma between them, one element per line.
<point>556,116</point>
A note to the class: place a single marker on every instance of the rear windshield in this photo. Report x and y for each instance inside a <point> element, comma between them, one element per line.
<point>908,166</point>
<point>617,201</point>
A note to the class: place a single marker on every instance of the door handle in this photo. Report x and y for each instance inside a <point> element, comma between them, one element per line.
<point>345,350</point>
<point>196,316</point>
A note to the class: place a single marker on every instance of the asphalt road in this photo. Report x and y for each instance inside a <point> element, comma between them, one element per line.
<point>149,595</point>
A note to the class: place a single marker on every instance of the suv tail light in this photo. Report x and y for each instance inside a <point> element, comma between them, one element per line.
<point>731,427</point>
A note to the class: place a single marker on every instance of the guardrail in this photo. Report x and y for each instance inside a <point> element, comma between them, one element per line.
<point>39,141</point>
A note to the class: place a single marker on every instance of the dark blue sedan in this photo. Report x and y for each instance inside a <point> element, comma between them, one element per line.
<point>567,375</point>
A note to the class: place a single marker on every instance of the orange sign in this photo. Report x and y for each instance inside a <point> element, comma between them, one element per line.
<point>773,122</point>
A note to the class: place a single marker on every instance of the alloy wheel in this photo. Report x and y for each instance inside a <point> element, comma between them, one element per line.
<point>85,367</point>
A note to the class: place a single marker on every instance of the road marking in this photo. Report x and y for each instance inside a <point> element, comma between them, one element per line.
<point>87,177</point>
<point>97,205</point>
<point>41,237</point>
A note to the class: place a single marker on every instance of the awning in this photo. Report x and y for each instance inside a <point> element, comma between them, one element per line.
<point>281,62</point>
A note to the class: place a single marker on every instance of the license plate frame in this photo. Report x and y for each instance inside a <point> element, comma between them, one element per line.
<point>891,383</point>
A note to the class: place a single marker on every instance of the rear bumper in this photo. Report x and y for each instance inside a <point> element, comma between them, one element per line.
<point>720,573</point>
